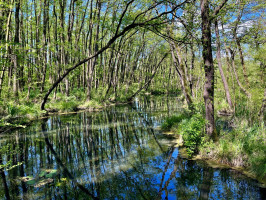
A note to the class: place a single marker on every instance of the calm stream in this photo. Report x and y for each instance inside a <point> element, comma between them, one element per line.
<point>117,153</point>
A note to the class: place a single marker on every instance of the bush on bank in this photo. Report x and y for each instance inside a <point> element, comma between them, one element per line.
<point>241,145</point>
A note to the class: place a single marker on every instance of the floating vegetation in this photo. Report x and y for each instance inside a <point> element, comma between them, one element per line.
<point>44,177</point>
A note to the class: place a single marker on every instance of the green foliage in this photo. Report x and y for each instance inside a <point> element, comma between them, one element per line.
<point>174,120</point>
<point>98,95</point>
<point>64,103</point>
<point>91,104</point>
<point>192,130</point>
<point>29,109</point>
<point>18,114</point>
<point>80,94</point>
<point>8,151</point>
<point>191,127</point>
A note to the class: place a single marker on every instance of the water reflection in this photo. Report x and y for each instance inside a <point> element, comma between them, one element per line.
<point>114,154</point>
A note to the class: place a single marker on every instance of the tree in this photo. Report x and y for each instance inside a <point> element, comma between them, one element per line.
<point>136,22</point>
<point>208,63</point>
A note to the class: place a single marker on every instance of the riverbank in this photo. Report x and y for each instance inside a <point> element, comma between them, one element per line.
<point>23,115</point>
<point>235,150</point>
<point>20,112</point>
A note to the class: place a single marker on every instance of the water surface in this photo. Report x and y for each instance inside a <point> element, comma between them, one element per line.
<point>117,153</point>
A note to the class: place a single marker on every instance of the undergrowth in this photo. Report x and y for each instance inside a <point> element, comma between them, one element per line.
<point>244,147</point>
<point>239,144</point>
<point>191,127</point>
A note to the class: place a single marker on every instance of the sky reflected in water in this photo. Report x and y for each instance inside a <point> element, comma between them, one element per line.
<point>117,153</point>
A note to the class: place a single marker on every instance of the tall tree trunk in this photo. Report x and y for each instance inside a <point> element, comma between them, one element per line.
<point>208,93</point>
<point>242,59</point>
<point>45,50</point>
<point>180,68</point>
<point>218,55</point>
<point>191,68</point>
<point>15,57</point>
<point>263,106</point>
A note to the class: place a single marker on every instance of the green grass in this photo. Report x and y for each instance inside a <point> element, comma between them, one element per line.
<point>244,146</point>
<point>173,121</point>
<point>239,143</point>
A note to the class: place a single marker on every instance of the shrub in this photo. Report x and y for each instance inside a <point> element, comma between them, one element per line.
<point>193,130</point>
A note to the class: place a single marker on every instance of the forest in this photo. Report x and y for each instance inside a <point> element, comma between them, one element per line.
<point>70,62</point>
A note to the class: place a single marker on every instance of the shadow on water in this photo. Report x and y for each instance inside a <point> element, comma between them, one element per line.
<point>117,153</point>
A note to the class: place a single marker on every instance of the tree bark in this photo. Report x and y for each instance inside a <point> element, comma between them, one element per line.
<point>208,93</point>
<point>15,56</point>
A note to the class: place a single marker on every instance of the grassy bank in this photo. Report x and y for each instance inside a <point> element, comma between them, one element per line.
<point>18,112</point>
<point>239,144</point>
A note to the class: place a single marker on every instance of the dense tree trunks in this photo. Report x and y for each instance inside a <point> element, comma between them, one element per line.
<point>45,39</point>
<point>235,72</point>
<point>5,37</point>
<point>218,56</point>
<point>149,81</point>
<point>119,32</point>
<point>179,68</point>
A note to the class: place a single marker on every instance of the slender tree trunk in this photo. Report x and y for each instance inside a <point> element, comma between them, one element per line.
<point>45,50</point>
<point>237,40</point>
<point>191,68</point>
<point>15,56</point>
<point>7,48</point>
<point>263,107</point>
<point>180,68</point>
<point>242,60</point>
<point>218,55</point>
<point>235,72</point>
<point>182,81</point>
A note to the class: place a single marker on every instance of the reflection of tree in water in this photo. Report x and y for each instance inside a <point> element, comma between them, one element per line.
<point>115,153</point>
